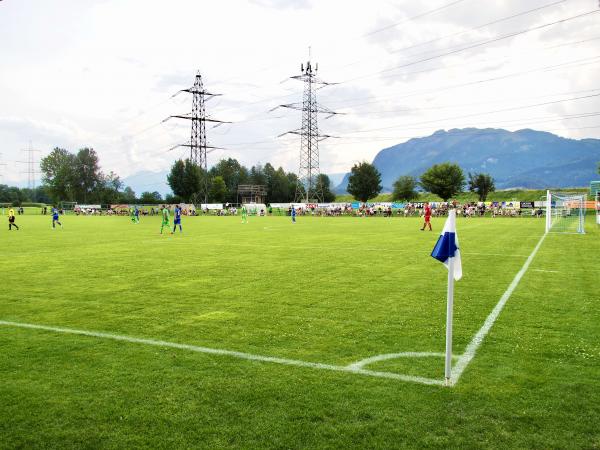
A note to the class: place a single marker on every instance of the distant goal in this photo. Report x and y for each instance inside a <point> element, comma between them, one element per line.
<point>565,212</point>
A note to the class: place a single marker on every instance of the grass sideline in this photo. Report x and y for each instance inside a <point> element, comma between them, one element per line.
<point>325,290</point>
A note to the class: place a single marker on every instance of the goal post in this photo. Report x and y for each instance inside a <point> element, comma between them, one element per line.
<point>598,208</point>
<point>565,212</point>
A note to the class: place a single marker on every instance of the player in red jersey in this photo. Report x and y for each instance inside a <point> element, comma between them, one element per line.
<point>427,216</point>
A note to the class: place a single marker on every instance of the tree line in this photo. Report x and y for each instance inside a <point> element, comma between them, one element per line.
<point>77,177</point>
<point>191,183</point>
<point>444,180</point>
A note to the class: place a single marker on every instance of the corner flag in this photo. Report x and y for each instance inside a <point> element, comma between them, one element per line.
<point>446,246</point>
<point>446,250</point>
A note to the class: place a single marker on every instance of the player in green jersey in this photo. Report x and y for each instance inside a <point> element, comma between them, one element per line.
<point>165,219</point>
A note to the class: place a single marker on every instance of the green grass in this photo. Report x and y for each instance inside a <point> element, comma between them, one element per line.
<point>325,290</point>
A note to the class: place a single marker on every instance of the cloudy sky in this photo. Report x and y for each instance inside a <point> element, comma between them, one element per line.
<point>102,73</point>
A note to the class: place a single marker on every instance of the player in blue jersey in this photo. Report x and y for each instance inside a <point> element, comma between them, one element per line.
<point>136,214</point>
<point>177,219</point>
<point>293,214</point>
<point>55,218</point>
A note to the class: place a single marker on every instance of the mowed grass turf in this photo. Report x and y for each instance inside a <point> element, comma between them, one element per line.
<point>323,290</point>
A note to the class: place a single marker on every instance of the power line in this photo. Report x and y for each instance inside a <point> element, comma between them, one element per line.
<point>570,64</point>
<point>267,99</point>
<point>444,88</point>
<point>409,19</point>
<point>472,46</point>
<point>462,105</point>
<point>571,43</point>
<point>458,33</point>
<point>480,113</point>
<point>458,132</point>
<point>479,27</point>
<point>510,123</point>
<point>488,60</point>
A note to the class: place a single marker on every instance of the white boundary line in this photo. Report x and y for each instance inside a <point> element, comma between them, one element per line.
<point>231,353</point>
<point>377,358</point>
<point>471,349</point>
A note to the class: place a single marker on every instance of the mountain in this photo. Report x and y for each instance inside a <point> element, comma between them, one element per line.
<point>148,181</point>
<point>336,178</point>
<point>525,158</point>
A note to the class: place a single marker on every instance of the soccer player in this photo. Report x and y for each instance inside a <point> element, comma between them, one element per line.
<point>55,218</point>
<point>427,216</point>
<point>132,215</point>
<point>11,219</point>
<point>293,214</point>
<point>177,219</point>
<point>165,219</point>
<point>136,213</point>
<point>244,214</point>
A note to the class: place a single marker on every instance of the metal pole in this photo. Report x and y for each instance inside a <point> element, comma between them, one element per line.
<point>548,210</point>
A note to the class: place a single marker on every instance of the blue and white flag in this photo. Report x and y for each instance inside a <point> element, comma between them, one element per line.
<point>446,246</point>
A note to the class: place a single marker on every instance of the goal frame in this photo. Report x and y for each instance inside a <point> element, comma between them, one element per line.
<point>582,211</point>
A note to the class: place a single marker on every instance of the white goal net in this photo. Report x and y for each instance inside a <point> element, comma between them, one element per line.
<point>565,212</point>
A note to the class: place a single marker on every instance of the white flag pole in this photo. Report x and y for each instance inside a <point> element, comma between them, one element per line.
<point>449,308</point>
<point>548,210</point>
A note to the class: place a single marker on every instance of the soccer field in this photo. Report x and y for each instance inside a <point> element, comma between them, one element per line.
<point>325,333</point>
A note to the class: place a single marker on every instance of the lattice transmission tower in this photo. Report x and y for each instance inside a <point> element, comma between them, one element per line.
<point>198,144</point>
<point>1,169</point>
<point>31,170</point>
<point>308,188</point>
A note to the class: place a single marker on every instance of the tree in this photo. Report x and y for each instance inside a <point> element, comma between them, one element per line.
<point>151,197</point>
<point>482,184</point>
<point>109,188</point>
<point>270,175</point>
<point>279,187</point>
<point>187,180</point>
<point>218,190</point>
<point>293,185</point>
<point>70,177</point>
<point>128,195</point>
<point>445,180</point>
<point>113,181</point>
<point>233,174</point>
<point>324,185</point>
<point>364,182</point>
<point>173,199</point>
<point>58,174</point>
<point>87,174</point>
<point>175,178</point>
<point>41,195</point>
<point>12,195</point>
<point>194,181</point>
<point>405,188</point>
<point>257,175</point>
